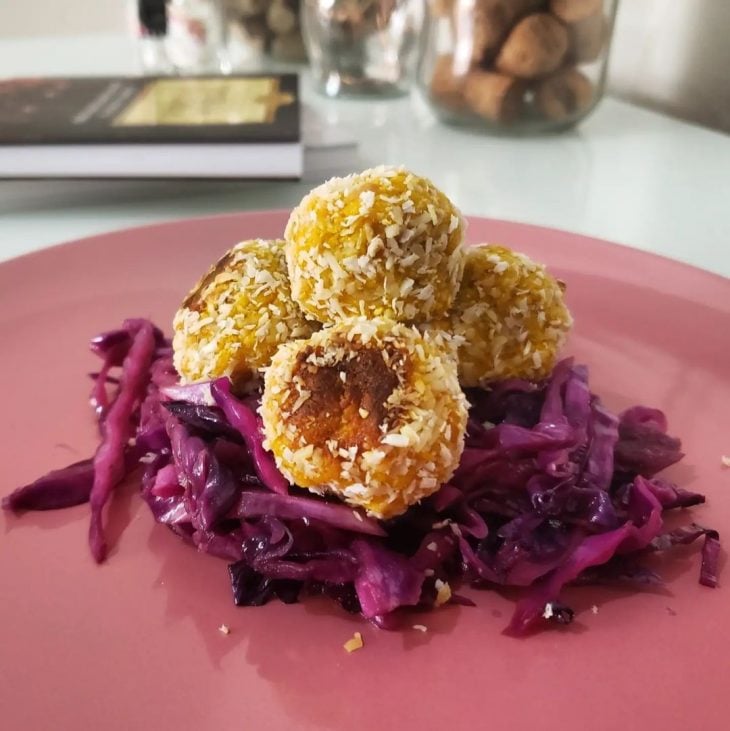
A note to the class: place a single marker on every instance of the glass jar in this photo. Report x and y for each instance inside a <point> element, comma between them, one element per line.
<point>515,66</point>
<point>196,36</point>
<point>362,47</point>
<point>271,27</point>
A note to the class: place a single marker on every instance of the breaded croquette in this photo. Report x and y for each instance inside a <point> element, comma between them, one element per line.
<point>381,243</point>
<point>368,410</point>
<point>509,317</point>
<point>237,315</point>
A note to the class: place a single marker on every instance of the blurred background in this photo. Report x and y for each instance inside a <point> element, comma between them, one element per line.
<point>669,55</point>
<point>494,76</point>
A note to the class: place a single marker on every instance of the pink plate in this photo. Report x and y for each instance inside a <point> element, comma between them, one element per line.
<point>134,644</point>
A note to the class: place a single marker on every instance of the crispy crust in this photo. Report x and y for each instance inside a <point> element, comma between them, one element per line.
<point>236,316</point>
<point>509,317</point>
<point>382,243</point>
<point>369,410</point>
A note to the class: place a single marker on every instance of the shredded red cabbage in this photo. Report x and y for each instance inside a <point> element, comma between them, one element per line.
<point>58,489</point>
<point>117,426</point>
<point>552,489</point>
<point>248,424</point>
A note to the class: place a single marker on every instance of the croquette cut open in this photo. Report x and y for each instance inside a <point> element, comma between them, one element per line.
<point>368,410</point>
<point>237,315</point>
<point>381,243</point>
<point>509,317</point>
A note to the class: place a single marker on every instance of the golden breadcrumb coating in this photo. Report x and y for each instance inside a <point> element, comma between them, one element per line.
<point>237,315</point>
<point>381,243</point>
<point>509,317</point>
<point>368,410</point>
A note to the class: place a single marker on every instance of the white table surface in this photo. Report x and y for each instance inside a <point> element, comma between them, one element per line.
<point>626,174</point>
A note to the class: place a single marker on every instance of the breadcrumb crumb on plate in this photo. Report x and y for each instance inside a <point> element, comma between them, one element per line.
<point>725,461</point>
<point>224,629</point>
<point>443,592</point>
<point>354,643</point>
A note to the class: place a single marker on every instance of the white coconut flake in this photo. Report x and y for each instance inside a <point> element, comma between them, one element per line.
<point>395,440</point>
<point>367,199</point>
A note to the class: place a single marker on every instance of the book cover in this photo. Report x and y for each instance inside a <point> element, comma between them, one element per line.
<point>256,109</point>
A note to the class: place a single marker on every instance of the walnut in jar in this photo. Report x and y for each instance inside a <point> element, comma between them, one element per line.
<point>535,47</point>
<point>564,94</point>
<point>496,97</point>
<point>447,84</point>
<point>587,38</point>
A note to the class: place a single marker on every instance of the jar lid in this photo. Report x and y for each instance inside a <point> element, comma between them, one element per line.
<point>153,16</point>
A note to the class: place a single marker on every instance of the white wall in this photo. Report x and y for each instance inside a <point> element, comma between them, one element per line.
<point>672,55</point>
<point>60,17</point>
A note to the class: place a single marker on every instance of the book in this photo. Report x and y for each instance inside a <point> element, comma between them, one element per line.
<point>243,126</point>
